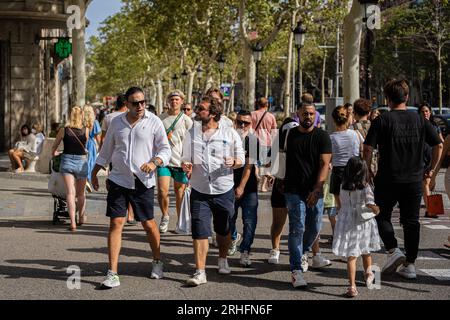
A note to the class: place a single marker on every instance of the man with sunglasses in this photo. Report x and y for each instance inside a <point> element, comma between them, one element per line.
<point>188,110</point>
<point>210,153</point>
<point>176,125</point>
<point>245,190</point>
<point>136,144</point>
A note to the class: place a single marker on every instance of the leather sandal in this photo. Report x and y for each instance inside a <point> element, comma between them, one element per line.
<point>351,292</point>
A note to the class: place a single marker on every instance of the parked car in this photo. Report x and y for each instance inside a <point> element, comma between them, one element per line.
<point>386,108</point>
<point>444,111</point>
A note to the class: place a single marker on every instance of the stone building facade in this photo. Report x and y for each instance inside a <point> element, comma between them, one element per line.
<point>35,85</point>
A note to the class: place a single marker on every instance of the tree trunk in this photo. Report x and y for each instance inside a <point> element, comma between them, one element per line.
<point>250,78</point>
<point>190,86</point>
<point>352,42</point>
<point>439,58</point>
<point>324,65</point>
<point>154,92</point>
<point>266,91</point>
<point>160,97</point>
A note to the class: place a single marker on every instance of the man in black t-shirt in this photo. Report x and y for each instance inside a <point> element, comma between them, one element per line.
<point>245,190</point>
<point>308,157</point>
<point>400,137</point>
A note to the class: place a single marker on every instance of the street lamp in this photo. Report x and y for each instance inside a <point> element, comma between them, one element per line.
<point>369,38</point>
<point>299,39</point>
<point>184,75</point>
<point>174,80</point>
<point>257,55</point>
<point>221,61</point>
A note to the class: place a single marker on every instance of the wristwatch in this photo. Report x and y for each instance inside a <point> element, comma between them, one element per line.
<point>156,162</point>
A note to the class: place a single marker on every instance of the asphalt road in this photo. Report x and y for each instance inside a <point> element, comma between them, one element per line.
<point>35,257</point>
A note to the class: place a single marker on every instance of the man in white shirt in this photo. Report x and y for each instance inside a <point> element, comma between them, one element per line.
<point>210,153</point>
<point>135,144</point>
<point>176,125</point>
<point>120,108</point>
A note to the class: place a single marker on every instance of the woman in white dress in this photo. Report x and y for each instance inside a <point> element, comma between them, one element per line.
<point>445,152</point>
<point>354,236</point>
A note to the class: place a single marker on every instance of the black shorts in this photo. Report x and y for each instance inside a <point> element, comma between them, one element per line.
<point>336,180</point>
<point>277,199</point>
<point>219,207</point>
<point>141,200</point>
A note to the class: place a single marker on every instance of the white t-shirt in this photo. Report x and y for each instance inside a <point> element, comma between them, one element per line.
<point>225,121</point>
<point>108,118</point>
<point>177,136</point>
<point>346,144</point>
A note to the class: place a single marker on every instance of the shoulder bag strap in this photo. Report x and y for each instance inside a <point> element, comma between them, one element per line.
<point>172,126</point>
<point>84,146</point>
<point>260,120</point>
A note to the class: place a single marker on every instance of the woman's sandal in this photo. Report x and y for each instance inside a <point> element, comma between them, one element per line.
<point>351,292</point>
<point>71,229</point>
<point>82,219</point>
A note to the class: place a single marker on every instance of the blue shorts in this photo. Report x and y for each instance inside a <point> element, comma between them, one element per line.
<point>141,199</point>
<point>75,165</point>
<point>176,173</point>
<point>219,207</point>
<point>331,212</point>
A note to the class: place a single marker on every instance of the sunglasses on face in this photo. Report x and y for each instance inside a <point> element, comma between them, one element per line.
<point>201,108</point>
<point>137,103</point>
<point>187,109</point>
<point>241,123</point>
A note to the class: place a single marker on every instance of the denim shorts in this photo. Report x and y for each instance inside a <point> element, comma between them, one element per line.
<point>75,165</point>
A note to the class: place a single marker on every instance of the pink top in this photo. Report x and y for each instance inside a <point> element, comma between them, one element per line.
<point>266,127</point>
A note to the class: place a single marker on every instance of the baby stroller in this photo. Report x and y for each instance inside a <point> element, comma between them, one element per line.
<point>58,190</point>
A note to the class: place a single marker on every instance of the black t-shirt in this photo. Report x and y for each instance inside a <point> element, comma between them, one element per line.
<point>303,159</point>
<point>401,136</point>
<point>251,146</point>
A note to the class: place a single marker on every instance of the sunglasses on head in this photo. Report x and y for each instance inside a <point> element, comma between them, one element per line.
<point>138,103</point>
<point>243,123</point>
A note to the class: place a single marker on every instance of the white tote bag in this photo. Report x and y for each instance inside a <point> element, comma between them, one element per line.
<point>184,222</point>
<point>278,169</point>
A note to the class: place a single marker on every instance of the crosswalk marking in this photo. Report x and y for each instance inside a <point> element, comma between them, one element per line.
<point>439,274</point>
<point>437,227</point>
<point>429,255</point>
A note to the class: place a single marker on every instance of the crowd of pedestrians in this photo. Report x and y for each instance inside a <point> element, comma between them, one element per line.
<point>354,175</point>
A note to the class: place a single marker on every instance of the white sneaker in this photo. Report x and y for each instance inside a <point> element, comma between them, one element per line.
<point>111,281</point>
<point>197,279</point>
<point>393,260</point>
<point>164,225</point>
<point>319,262</point>
<point>274,257</point>
<point>408,271</point>
<point>157,270</point>
<point>245,259</point>
<point>297,279</point>
<point>233,246</point>
<point>223,266</point>
<point>305,262</point>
